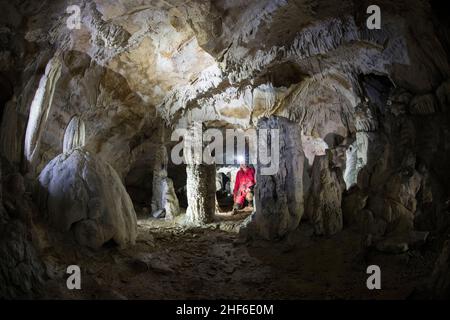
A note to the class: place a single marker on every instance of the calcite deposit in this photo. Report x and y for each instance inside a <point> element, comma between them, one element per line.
<point>91,96</point>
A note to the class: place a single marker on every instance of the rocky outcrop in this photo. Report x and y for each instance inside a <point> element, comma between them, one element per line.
<point>324,205</point>
<point>279,195</point>
<point>396,192</point>
<point>353,202</point>
<point>426,104</point>
<point>85,196</point>
<point>439,285</point>
<point>443,96</point>
<point>396,205</point>
<point>21,270</point>
<point>109,38</point>
<point>12,131</point>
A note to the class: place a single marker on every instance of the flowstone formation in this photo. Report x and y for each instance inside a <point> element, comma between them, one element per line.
<point>85,196</point>
<point>396,198</point>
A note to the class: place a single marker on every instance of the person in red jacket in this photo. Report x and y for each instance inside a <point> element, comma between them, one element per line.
<point>243,187</point>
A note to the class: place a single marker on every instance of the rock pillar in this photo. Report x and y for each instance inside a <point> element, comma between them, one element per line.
<point>279,190</point>
<point>201,193</point>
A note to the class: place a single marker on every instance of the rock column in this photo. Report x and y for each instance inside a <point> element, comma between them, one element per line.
<point>325,198</point>
<point>279,193</point>
<point>201,180</point>
<point>201,193</point>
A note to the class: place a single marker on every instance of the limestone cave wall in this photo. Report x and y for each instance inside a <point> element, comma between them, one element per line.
<point>369,112</point>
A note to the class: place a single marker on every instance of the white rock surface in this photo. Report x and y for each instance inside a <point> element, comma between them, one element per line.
<point>40,109</point>
<point>75,135</point>
<point>163,193</point>
<point>84,195</point>
<point>350,174</point>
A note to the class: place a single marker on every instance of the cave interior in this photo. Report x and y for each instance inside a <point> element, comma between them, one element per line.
<point>97,96</point>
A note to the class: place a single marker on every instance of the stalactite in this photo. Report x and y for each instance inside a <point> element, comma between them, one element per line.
<point>40,110</point>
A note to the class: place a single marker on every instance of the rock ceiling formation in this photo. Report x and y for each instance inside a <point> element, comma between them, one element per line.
<point>220,62</point>
<point>367,108</point>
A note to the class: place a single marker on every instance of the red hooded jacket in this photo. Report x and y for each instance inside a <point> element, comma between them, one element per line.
<point>244,179</point>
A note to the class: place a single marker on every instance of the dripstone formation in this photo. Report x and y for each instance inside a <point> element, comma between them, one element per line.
<point>356,161</point>
<point>85,196</point>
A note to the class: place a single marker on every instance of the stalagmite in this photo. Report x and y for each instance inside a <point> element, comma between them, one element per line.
<point>324,204</point>
<point>279,197</point>
<point>85,196</point>
<point>75,135</point>
<point>164,200</point>
<point>350,176</point>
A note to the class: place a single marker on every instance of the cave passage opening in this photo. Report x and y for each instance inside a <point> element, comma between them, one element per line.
<point>202,193</point>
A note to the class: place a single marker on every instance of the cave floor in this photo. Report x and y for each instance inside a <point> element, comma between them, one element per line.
<point>172,262</point>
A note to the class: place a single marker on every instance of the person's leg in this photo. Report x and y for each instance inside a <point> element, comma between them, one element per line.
<point>239,202</point>
<point>249,198</point>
